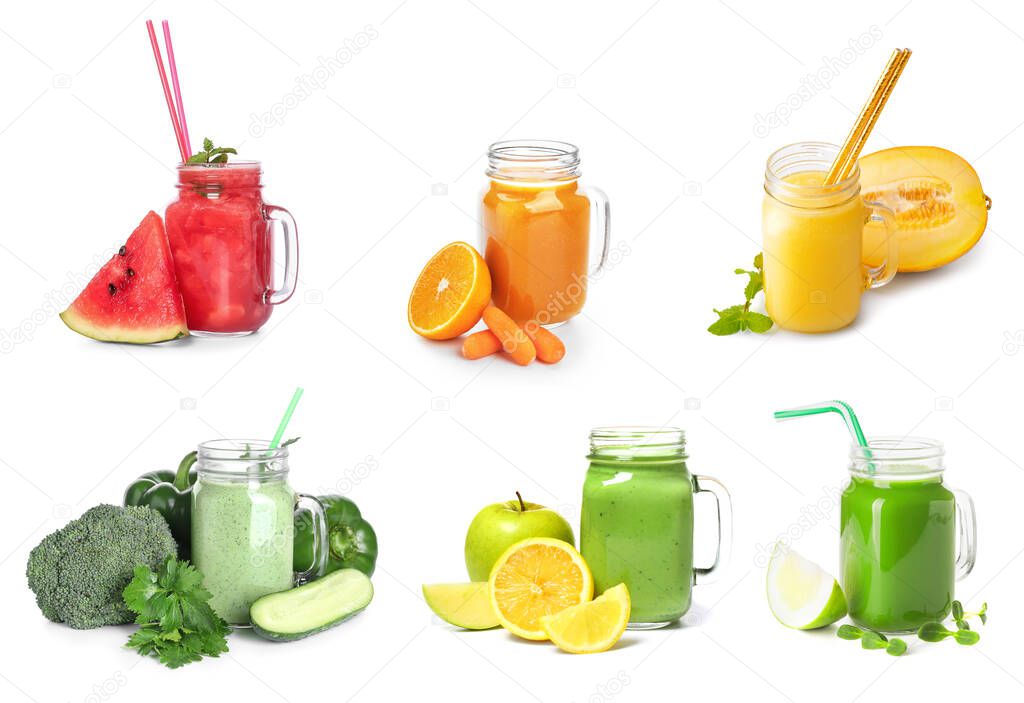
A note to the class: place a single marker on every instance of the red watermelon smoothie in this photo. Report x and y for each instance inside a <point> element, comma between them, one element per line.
<point>219,230</point>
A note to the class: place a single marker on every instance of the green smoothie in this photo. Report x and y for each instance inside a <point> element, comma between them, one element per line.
<point>898,551</point>
<point>242,538</point>
<point>637,528</point>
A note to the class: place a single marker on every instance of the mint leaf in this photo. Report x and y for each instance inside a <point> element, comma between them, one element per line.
<point>730,321</point>
<point>211,154</point>
<point>725,327</point>
<point>754,286</point>
<point>758,323</point>
<point>737,318</point>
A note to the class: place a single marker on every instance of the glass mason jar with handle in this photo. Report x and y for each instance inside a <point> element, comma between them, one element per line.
<point>243,532</point>
<point>905,538</point>
<point>816,265</point>
<point>220,232</point>
<point>543,234</point>
<point>637,521</point>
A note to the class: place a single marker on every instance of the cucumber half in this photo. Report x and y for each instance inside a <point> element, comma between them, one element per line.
<point>311,608</point>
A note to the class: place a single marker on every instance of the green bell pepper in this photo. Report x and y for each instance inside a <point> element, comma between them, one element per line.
<point>170,494</point>
<point>352,543</point>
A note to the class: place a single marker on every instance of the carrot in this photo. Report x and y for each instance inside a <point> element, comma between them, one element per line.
<point>550,348</point>
<point>513,340</point>
<point>480,344</point>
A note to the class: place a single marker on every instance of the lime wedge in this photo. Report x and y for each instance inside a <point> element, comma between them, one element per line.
<point>465,605</point>
<point>801,594</point>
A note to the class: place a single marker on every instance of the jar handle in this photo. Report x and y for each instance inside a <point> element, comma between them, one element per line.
<point>723,504</point>
<point>600,221</point>
<point>291,254</point>
<point>315,508</point>
<point>967,534</point>
<point>878,276</point>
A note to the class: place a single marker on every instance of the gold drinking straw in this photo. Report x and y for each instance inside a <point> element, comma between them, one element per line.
<point>858,136</point>
<point>873,117</point>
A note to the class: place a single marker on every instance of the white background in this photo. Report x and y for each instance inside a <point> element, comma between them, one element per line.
<point>663,101</point>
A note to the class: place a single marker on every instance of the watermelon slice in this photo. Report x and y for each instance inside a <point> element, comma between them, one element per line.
<point>134,298</point>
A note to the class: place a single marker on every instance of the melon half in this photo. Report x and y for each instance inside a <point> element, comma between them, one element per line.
<point>134,298</point>
<point>941,210</point>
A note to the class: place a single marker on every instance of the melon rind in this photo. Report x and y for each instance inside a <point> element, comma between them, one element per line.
<point>125,335</point>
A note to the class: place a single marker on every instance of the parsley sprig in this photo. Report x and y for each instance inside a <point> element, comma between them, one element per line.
<point>176,623</point>
<point>211,154</point>
<point>737,318</point>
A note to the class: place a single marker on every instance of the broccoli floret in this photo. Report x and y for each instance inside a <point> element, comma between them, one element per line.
<point>79,571</point>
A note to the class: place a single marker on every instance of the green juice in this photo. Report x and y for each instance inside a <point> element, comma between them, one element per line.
<point>242,537</point>
<point>898,551</point>
<point>637,528</point>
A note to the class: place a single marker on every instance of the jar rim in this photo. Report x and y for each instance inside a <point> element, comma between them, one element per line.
<point>801,157</point>
<point>906,457</point>
<point>637,441</point>
<point>239,164</point>
<point>242,458</point>
<point>533,160</point>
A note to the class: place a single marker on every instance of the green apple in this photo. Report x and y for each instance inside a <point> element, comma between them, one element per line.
<point>497,527</point>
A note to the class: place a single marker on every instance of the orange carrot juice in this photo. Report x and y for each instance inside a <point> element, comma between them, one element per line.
<point>814,263</point>
<point>536,222</point>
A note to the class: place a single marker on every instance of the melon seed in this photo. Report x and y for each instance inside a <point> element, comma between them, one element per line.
<point>112,288</point>
<point>122,251</point>
<point>923,202</point>
<point>130,272</point>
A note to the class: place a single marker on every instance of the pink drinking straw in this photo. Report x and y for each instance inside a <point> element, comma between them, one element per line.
<point>177,87</point>
<point>167,91</point>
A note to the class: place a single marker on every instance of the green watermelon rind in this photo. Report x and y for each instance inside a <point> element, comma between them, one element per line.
<point>88,319</point>
<point>127,335</point>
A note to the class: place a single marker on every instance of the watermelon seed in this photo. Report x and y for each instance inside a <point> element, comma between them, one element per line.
<point>130,272</point>
<point>112,288</point>
<point>122,251</point>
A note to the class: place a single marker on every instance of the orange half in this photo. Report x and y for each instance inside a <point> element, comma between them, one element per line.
<point>450,294</point>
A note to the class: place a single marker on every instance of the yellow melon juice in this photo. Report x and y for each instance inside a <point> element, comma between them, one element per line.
<point>815,266</point>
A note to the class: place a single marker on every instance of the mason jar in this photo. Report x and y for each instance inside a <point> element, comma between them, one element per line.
<point>816,266</point>
<point>637,521</point>
<point>220,234</point>
<point>543,234</point>
<point>243,513</point>
<point>905,537</point>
